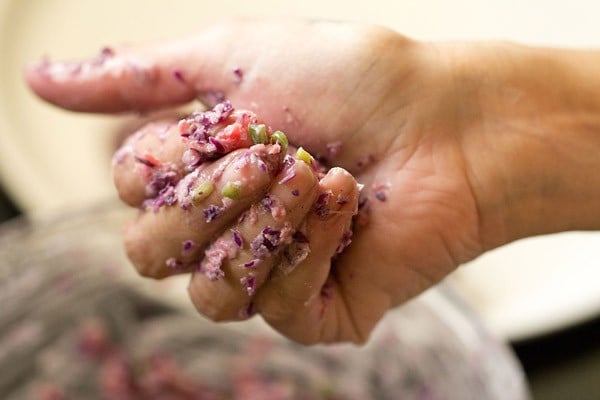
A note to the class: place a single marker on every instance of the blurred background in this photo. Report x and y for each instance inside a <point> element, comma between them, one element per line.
<point>541,295</point>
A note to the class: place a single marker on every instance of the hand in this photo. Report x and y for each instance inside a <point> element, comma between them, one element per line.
<point>442,136</point>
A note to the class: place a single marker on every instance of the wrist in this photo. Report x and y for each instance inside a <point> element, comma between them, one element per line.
<point>533,145</point>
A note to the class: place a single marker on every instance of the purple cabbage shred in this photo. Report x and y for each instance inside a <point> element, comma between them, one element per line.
<point>237,238</point>
<point>218,145</point>
<point>288,177</point>
<point>251,264</point>
<point>211,213</point>
<point>267,203</point>
<point>266,242</point>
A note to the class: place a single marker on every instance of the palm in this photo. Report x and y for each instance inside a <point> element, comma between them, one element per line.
<point>427,224</point>
<point>324,83</point>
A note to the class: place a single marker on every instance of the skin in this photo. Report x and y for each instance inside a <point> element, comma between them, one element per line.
<point>474,144</point>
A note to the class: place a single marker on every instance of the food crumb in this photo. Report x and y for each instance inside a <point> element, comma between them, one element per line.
<point>211,213</point>
<point>251,264</point>
<point>237,238</point>
<point>178,75</point>
<point>238,75</point>
<point>380,190</point>
<point>188,246</point>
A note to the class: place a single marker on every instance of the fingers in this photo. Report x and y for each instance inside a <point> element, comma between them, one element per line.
<point>188,216</point>
<point>159,154</point>
<point>261,235</point>
<point>151,76</point>
<point>296,301</point>
<point>139,78</point>
<point>150,159</point>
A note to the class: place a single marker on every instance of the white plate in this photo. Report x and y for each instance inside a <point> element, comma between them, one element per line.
<point>51,160</point>
<point>536,285</point>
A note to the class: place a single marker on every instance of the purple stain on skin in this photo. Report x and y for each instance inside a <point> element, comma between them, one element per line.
<point>237,238</point>
<point>107,52</point>
<point>238,74</point>
<point>327,291</point>
<point>341,200</point>
<point>380,190</point>
<point>299,237</point>
<point>321,207</point>
<point>178,75</point>
<point>380,195</point>
<point>187,246</point>
<point>211,213</point>
<point>250,309</point>
<point>247,311</point>
<point>296,192</point>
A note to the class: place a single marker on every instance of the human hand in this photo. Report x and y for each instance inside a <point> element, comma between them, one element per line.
<point>418,124</point>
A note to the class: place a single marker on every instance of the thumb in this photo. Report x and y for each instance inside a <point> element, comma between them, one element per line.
<point>135,78</point>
